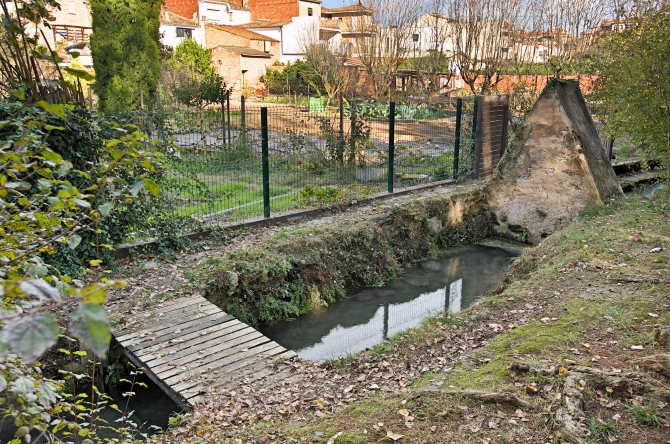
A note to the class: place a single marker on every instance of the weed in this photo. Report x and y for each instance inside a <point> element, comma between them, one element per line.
<point>646,414</point>
<point>190,276</point>
<point>600,430</point>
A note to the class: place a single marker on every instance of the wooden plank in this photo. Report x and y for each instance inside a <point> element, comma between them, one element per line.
<point>184,304</point>
<point>231,363</point>
<point>189,331</point>
<point>197,341</point>
<point>194,337</point>
<point>215,358</point>
<point>274,375</point>
<point>191,354</point>
<point>221,365</point>
<point>145,337</point>
<point>186,328</point>
<point>161,322</point>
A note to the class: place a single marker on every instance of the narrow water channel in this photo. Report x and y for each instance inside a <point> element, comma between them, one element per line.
<point>458,278</point>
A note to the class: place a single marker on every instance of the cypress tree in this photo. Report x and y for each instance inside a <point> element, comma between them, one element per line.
<point>126,52</point>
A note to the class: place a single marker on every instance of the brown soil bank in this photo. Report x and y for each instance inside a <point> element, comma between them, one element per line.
<point>310,266</point>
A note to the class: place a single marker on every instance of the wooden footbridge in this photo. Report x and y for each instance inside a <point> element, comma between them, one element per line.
<point>192,347</point>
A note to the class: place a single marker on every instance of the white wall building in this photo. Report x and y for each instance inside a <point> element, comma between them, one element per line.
<point>222,13</point>
<point>175,28</point>
<point>293,34</point>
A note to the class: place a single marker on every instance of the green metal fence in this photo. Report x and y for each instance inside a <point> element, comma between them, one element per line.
<point>239,159</point>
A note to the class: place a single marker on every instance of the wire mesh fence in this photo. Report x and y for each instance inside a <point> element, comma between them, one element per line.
<point>314,154</point>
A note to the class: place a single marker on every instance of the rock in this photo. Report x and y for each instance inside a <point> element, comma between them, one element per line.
<point>554,168</point>
<point>435,224</point>
<point>662,336</point>
<point>151,264</point>
<point>233,280</point>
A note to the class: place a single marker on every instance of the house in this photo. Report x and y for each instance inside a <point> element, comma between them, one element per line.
<point>71,25</point>
<point>241,56</point>
<point>174,29</point>
<point>294,34</point>
<point>223,13</point>
<point>355,21</point>
<point>227,12</point>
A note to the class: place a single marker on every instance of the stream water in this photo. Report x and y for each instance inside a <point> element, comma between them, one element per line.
<point>458,278</point>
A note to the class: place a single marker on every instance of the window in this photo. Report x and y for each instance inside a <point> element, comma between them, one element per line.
<point>213,15</point>
<point>310,12</point>
<point>266,46</point>
<point>261,71</point>
<point>415,37</point>
<point>71,7</point>
<point>185,32</point>
<point>230,16</point>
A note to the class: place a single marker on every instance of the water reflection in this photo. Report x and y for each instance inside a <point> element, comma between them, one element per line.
<point>457,279</point>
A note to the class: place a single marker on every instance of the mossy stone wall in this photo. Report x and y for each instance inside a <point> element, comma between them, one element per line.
<point>312,265</point>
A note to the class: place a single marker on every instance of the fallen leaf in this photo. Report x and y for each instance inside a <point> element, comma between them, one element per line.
<point>333,438</point>
<point>404,412</point>
<point>393,436</point>
<point>653,315</point>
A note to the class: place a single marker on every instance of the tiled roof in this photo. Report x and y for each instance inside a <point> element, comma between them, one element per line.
<point>243,50</point>
<point>232,6</point>
<point>266,24</point>
<point>170,18</point>
<point>241,32</point>
<point>351,8</point>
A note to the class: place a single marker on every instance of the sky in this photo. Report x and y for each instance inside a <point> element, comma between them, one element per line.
<point>335,3</point>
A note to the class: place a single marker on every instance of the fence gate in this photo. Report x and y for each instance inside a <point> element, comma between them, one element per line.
<point>492,121</point>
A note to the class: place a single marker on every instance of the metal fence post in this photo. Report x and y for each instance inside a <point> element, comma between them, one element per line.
<point>457,136</point>
<point>243,110</point>
<point>341,143</point>
<point>354,132</point>
<point>230,140</point>
<point>475,111</point>
<point>391,145</point>
<point>223,118</point>
<point>265,161</point>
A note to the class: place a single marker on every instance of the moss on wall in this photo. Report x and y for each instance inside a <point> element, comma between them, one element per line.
<point>312,265</point>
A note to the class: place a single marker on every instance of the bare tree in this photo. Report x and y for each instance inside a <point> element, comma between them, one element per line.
<point>566,25</point>
<point>326,59</point>
<point>384,43</point>
<point>433,50</point>
<point>481,33</point>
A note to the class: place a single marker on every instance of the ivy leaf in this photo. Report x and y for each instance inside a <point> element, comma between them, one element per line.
<point>19,94</point>
<point>56,109</point>
<point>152,187</point>
<point>95,294</point>
<point>136,187</point>
<point>95,262</point>
<point>105,208</point>
<point>41,289</point>
<point>90,324</point>
<point>3,383</point>
<point>74,241</point>
<point>82,203</point>
<point>31,335</point>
